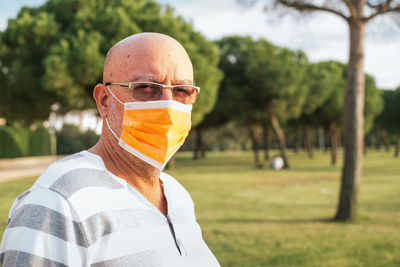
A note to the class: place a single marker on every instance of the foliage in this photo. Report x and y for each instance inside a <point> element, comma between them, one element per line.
<point>389,118</point>
<point>21,142</point>
<point>373,103</point>
<point>257,74</point>
<point>275,76</point>
<point>70,139</point>
<point>327,82</point>
<point>54,53</point>
<point>331,79</point>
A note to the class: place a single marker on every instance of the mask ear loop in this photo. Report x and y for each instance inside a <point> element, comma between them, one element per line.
<point>108,125</point>
<point>115,96</point>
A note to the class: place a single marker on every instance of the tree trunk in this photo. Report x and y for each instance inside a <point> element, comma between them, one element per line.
<point>334,142</point>
<point>327,138</point>
<point>199,145</point>
<point>353,120</point>
<point>307,141</point>
<point>297,144</point>
<point>266,141</point>
<point>321,138</point>
<point>396,152</point>
<point>279,135</point>
<point>386,141</point>
<point>255,145</point>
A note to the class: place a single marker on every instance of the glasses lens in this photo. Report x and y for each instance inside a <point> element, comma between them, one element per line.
<point>185,94</point>
<point>146,91</point>
<point>151,91</point>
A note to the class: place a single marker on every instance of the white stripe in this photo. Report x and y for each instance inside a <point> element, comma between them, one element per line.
<point>84,205</point>
<point>43,245</point>
<point>57,169</point>
<point>129,242</point>
<point>159,104</point>
<point>141,156</point>
<point>46,198</point>
<point>188,232</point>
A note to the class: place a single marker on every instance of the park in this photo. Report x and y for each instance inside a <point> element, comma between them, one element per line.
<point>335,200</point>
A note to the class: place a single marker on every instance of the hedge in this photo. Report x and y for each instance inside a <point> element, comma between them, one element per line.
<point>21,142</point>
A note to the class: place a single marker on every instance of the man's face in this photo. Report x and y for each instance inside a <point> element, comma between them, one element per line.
<point>152,58</point>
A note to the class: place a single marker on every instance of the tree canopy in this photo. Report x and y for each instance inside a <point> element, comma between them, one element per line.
<point>54,53</point>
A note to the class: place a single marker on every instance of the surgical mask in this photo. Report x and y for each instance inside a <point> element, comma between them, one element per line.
<point>153,130</point>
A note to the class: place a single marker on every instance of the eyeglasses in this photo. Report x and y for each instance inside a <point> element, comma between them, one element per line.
<point>147,91</point>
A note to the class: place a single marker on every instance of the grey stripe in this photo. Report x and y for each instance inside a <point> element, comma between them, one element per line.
<point>108,222</point>
<point>77,179</point>
<point>49,221</point>
<point>24,194</point>
<point>23,259</point>
<point>150,258</point>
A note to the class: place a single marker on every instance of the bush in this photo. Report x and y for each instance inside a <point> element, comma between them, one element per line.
<point>21,142</point>
<point>71,140</point>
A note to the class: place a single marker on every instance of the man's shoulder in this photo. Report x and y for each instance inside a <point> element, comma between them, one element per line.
<point>77,163</point>
<point>77,181</point>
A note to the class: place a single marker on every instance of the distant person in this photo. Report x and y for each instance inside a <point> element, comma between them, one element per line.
<point>112,205</point>
<point>277,163</point>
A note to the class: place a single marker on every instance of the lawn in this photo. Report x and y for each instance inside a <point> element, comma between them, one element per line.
<point>253,217</point>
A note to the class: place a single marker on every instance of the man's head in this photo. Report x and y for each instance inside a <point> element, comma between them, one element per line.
<point>144,57</point>
<point>151,57</point>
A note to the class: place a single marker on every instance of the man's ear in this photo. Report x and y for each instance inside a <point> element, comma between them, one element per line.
<point>102,98</point>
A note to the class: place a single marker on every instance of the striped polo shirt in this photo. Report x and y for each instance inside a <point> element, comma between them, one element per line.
<point>79,214</point>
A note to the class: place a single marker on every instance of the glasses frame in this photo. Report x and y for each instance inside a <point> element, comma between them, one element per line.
<point>130,85</point>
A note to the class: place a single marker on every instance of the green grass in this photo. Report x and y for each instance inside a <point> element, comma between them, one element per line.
<point>253,217</point>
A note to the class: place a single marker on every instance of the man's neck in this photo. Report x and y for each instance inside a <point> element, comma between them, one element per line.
<point>125,165</point>
<point>140,175</point>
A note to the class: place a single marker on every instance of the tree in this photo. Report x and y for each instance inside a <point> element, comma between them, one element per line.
<point>235,94</point>
<point>54,53</point>
<point>330,113</point>
<point>330,77</point>
<point>389,118</point>
<point>275,76</point>
<point>321,80</point>
<point>261,84</point>
<point>357,13</point>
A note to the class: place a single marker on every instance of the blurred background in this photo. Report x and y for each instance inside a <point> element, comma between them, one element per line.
<point>314,84</point>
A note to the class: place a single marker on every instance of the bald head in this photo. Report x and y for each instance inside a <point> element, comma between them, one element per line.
<point>148,56</point>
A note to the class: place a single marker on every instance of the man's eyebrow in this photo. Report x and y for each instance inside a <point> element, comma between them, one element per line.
<point>188,82</point>
<point>144,77</point>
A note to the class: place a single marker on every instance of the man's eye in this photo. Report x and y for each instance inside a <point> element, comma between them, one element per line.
<point>181,90</point>
<point>146,87</point>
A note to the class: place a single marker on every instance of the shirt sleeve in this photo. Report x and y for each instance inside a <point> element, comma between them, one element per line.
<point>43,230</point>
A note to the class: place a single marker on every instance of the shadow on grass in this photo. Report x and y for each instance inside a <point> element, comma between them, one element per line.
<point>278,221</point>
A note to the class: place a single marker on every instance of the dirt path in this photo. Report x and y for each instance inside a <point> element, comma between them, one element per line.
<point>11,169</point>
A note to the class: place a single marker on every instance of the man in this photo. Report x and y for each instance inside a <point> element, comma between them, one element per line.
<point>112,205</point>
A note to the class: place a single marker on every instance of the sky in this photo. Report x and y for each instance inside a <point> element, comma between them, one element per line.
<point>321,36</point>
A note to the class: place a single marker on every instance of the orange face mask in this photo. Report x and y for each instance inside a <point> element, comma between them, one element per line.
<point>154,130</point>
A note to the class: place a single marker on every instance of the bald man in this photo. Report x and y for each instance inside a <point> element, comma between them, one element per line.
<point>112,205</point>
